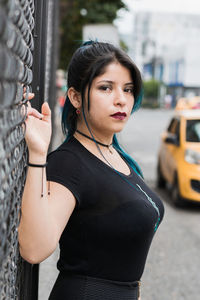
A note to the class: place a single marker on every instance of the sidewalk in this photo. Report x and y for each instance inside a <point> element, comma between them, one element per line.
<point>47,275</point>
<point>48,271</point>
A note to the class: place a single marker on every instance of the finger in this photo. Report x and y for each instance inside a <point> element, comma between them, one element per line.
<point>28,104</point>
<point>30,96</point>
<point>46,112</point>
<point>33,112</point>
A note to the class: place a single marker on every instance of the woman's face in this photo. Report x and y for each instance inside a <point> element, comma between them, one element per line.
<point>111,100</point>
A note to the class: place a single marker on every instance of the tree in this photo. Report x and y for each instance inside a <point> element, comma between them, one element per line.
<point>151,93</point>
<point>74,14</point>
<point>151,89</point>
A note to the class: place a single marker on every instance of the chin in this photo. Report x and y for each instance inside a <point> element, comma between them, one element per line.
<point>118,129</point>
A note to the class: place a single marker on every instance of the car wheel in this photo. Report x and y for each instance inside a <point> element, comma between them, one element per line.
<point>175,194</point>
<point>161,182</point>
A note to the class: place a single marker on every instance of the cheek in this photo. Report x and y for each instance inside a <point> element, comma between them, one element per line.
<point>98,105</point>
<point>131,104</point>
<point>96,112</point>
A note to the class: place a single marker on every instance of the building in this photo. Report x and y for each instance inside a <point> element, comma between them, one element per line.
<point>101,32</point>
<point>166,47</point>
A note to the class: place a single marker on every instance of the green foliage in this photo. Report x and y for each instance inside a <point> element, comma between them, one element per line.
<point>151,89</point>
<point>148,103</point>
<point>74,14</point>
<point>123,46</point>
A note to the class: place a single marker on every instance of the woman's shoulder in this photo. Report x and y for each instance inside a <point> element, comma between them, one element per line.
<point>65,168</point>
<point>67,154</point>
<point>68,149</point>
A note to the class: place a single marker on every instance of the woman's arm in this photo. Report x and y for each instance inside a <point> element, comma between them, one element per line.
<point>42,218</point>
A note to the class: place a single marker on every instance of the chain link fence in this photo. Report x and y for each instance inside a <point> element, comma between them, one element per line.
<point>24,62</point>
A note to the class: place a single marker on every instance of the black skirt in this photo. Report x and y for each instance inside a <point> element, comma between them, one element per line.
<point>68,287</point>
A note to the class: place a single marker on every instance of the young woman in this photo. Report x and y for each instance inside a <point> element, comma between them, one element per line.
<point>95,203</point>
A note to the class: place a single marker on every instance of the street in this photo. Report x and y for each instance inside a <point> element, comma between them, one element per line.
<point>172,267</point>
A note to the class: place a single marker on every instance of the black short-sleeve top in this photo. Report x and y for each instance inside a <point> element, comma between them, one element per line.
<point>111,228</point>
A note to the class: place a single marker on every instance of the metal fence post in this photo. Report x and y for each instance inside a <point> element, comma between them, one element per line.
<point>45,53</point>
<point>19,279</point>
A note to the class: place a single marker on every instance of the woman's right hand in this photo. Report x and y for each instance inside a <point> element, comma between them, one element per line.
<point>38,129</point>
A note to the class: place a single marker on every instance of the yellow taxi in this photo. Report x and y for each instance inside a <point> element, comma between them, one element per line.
<point>179,157</point>
<point>188,103</point>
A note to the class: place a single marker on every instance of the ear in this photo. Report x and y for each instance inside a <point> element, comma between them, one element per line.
<point>74,97</point>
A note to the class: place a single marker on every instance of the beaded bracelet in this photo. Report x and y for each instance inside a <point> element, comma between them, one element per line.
<point>41,166</point>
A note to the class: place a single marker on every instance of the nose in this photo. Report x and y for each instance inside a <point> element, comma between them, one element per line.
<point>120,97</point>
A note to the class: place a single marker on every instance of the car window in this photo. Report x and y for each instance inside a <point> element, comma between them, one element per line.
<point>177,129</point>
<point>171,125</point>
<point>174,127</point>
<point>193,131</point>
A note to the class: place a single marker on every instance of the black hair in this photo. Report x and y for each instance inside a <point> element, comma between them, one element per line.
<point>88,62</point>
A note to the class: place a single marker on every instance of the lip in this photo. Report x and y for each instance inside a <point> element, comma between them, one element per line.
<point>119,115</point>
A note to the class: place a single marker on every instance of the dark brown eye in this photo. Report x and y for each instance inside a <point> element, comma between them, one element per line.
<point>129,90</point>
<point>105,88</point>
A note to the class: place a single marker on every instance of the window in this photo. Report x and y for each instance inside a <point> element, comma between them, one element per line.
<point>174,127</point>
<point>193,131</point>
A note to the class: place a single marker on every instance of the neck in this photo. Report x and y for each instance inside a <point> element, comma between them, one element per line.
<point>94,140</point>
<point>104,139</point>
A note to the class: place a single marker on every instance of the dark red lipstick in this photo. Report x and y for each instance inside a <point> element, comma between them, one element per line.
<point>119,115</point>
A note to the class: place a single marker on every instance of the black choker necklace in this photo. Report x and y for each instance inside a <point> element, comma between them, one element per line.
<point>88,137</point>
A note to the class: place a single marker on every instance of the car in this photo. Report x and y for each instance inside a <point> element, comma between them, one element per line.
<point>188,103</point>
<point>178,164</point>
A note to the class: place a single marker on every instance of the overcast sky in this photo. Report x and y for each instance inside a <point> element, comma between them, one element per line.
<point>125,23</point>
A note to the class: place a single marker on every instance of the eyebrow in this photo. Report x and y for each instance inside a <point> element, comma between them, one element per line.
<point>111,82</point>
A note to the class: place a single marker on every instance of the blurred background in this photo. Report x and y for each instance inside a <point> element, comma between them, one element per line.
<point>37,40</point>
<point>163,39</point>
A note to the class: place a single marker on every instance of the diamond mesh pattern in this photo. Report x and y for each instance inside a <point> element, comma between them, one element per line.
<point>16,47</point>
